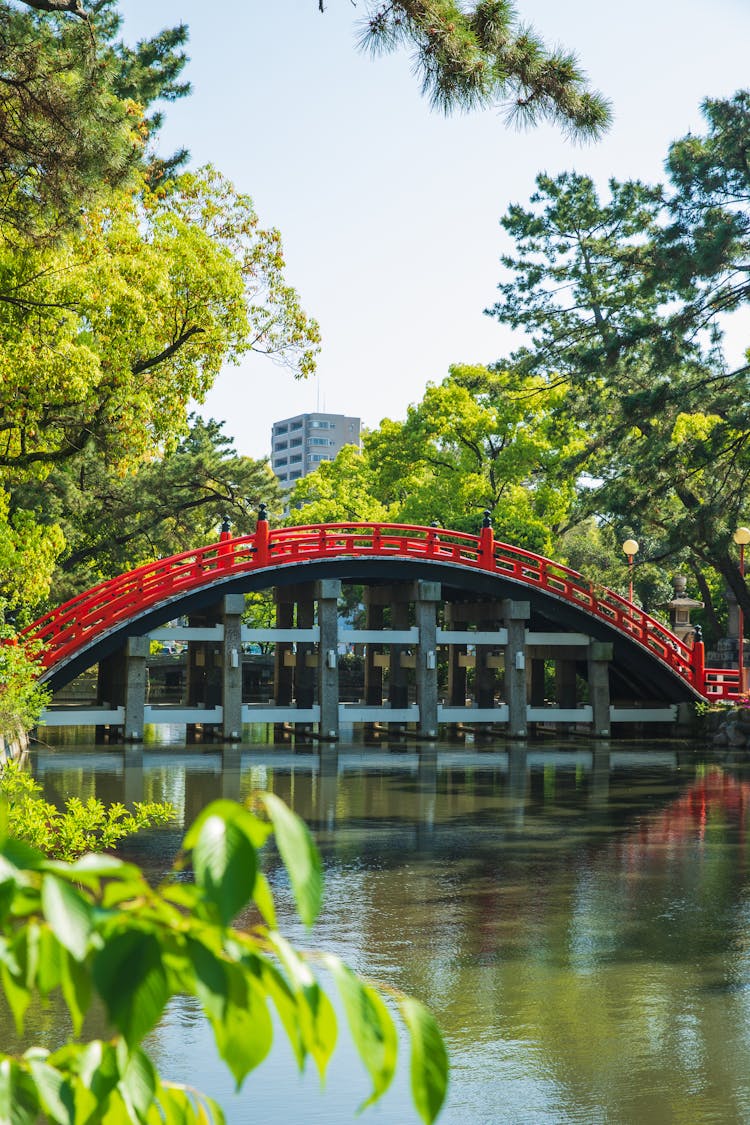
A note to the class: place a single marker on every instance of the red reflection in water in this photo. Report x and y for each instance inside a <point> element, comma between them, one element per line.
<point>716,797</point>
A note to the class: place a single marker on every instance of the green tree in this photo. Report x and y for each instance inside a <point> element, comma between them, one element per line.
<point>95,928</point>
<point>339,491</point>
<point>82,826</point>
<point>476,55</point>
<point>72,100</point>
<point>623,300</point>
<point>113,521</point>
<point>112,334</point>
<point>481,439</point>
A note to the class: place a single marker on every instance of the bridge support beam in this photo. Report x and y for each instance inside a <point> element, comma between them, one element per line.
<point>427,595</point>
<point>283,669</point>
<point>515,616</point>
<point>135,687</point>
<point>328,591</point>
<point>599,657</point>
<point>398,673</point>
<point>304,668</point>
<point>454,619</point>
<point>374,610</point>
<point>233,606</point>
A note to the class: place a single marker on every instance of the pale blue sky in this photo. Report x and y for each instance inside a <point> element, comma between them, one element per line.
<point>389,213</point>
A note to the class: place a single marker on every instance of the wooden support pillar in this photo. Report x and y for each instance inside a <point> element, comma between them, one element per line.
<point>565,683</point>
<point>135,688</point>
<point>374,610</point>
<point>110,688</point>
<point>304,669</point>
<point>328,591</point>
<point>456,667</point>
<point>599,657</point>
<point>283,670</point>
<point>427,595</point>
<point>398,675</point>
<point>485,676</point>
<point>233,606</point>
<point>536,684</point>
<point>515,615</point>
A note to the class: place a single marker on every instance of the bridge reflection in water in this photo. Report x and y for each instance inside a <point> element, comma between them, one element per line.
<point>578,918</point>
<point>459,629</point>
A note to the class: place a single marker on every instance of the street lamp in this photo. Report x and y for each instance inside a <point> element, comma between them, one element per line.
<point>630,547</point>
<point>741,537</point>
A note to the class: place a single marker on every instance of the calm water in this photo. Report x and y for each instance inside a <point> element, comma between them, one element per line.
<point>579,923</point>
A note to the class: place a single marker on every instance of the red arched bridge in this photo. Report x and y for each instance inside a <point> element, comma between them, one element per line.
<point>646,655</point>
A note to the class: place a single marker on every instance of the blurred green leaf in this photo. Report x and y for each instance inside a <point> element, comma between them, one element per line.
<point>133,956</point>
<point>429,1061</point>
<point>300,857</point>
<point>371,1026</point>
<point>68,914</point>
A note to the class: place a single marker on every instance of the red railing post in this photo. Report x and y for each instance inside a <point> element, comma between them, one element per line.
<point>224,553</point>
<point>261,537</point>
<point>487,543</point>
<point>698,661</point>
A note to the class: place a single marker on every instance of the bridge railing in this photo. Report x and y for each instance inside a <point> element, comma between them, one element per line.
<point>71,626</point>
<point>722,683</point>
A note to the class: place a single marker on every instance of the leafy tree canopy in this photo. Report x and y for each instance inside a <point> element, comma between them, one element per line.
<point>482,439</point>
<point>114,521</point>
<point>73,102</point>
<point>96,929</point>
<point>624,299</point>
<point>105,339</point>
<point>474,55</point>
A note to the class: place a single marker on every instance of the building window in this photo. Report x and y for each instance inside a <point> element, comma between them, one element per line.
<point>295,476</point>
<point>279,462</point>
<point>319,441</point>
<point>281,476</point>
<point>319,424</point>
<point>295,442</point>
<point>296,426</point>
<point>280,429</point>
<point>295,459</point>
<point>280,445</point>
<point>318,457</point>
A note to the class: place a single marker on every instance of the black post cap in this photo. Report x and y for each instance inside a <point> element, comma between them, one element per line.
<point>487,520</point>
<point>262,512</point>
<point>225,526</point>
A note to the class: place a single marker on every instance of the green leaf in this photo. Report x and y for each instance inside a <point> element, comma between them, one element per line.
<point>224,861</point>
<point>244,1033</point>
<point>429,1061</point>
<point>256,830</point>
<point>210,978</point>
<point>139,1080</point>
<point>263,899</point>
<point>130,978</point>
<point>17,995</point>
<point>51,956</point>
<point>371,1026</point>
<point>76,989</point>
<point>300,856</point>
<point>99,1068</point>
<point>285,1002</point>
<point>69,915</point>
<point>19,1103</point>
<point>316,1018</point>
<point>55,1092</point>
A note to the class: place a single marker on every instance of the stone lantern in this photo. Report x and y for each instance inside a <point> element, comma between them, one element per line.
<point>679,610</point>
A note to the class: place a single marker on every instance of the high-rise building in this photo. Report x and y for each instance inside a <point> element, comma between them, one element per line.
<point>299,444</point>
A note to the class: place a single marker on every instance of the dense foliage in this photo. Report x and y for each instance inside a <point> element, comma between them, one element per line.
<point>95,930</point>
<point>82,826</point>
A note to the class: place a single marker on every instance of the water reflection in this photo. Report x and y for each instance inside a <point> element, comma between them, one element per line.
<point>579,919</point>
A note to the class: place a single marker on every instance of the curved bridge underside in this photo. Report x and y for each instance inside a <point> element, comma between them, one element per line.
<point>649,662</point>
